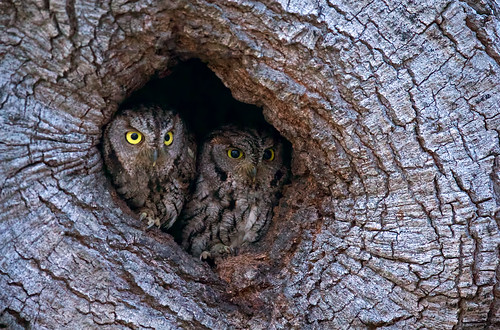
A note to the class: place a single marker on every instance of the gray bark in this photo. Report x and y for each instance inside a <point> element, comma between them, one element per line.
<point>391,219</point>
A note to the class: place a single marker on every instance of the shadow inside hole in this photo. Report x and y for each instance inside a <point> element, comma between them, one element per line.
<point>199,96</point>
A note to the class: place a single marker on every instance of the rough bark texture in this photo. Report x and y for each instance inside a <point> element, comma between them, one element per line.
<point>391,219</point>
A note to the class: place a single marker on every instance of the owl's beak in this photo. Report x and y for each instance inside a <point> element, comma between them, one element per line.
<point>252,172</point>
<point>154,157</point>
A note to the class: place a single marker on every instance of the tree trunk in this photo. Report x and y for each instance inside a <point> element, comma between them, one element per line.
<point>391,218</point>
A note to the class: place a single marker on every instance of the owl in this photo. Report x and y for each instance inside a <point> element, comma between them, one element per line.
<point>151,158</point>
<point>241,172</point>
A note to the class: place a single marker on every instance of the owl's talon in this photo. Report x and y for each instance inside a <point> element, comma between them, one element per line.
<point>153,222</point>
<point>205,255</point>
<point>222,250</point>
<point>147,214</point>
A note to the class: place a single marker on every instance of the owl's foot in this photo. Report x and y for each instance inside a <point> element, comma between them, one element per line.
<point>219,250</point>
<point>205,255</point>
<point>152,220</point>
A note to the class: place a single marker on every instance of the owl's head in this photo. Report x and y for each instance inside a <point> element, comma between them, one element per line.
<point>147,138</point>
<point>247,156</point>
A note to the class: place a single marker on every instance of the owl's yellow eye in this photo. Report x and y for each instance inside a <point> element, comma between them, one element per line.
<point>268,154</point>
<point>169,138</point>
<point>234,153</point>
<point>133,137</point>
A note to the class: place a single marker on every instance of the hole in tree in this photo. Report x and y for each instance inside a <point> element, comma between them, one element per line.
<point>204,103</point>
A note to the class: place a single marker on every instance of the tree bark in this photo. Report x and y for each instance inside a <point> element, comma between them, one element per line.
<point>392,216</point>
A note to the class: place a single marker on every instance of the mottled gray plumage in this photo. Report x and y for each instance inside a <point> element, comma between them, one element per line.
<point>233,198</point>
<point>150,175</point>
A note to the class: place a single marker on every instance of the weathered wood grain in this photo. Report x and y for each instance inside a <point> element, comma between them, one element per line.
<point>391,219</point>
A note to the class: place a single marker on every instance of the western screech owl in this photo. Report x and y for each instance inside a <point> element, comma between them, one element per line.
<point>151,158</point>
<point>241,172</point>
